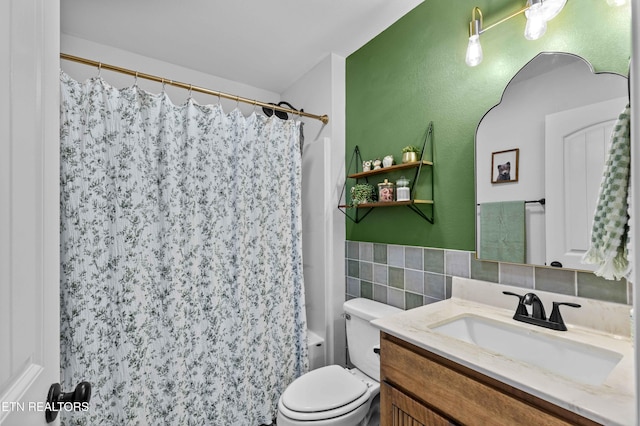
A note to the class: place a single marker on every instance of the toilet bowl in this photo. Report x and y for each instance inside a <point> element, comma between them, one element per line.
<point>328,396</point>
<point>334,395</point>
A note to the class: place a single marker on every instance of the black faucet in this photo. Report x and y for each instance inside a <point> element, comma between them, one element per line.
<point>537,310</point>
<point>538,317</point>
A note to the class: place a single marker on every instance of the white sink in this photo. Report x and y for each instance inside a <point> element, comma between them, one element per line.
<point>577,361</point>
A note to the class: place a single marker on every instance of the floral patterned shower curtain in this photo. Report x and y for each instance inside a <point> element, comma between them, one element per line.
<point>182,298</point>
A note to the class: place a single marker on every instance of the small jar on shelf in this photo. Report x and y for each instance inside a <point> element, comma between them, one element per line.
<point>403,192</point>
<point>386,191</point>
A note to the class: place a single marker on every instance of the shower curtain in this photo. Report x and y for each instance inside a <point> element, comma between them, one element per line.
<point>182,298</point>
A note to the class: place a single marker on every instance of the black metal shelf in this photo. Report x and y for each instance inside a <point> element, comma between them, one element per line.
<point>353,211</point>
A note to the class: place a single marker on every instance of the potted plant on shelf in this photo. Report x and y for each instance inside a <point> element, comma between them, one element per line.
<point>410,154</point>
<point>362,193</point>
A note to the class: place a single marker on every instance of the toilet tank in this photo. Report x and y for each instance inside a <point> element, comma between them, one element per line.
<point>362,337</point>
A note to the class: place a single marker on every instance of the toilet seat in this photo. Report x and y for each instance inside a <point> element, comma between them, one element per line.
<point>324,393</point>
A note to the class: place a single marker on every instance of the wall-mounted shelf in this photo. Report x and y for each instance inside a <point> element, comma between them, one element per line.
<point>413,204</point>
<point>390,169</point>
<point>386,204</point>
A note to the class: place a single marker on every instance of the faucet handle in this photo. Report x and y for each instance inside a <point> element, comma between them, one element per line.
<point>521,310</point>
<point>555,316</point>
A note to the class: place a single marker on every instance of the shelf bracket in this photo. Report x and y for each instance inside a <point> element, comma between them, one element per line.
<point>357,157</point>
<point>427,138</point>
<point>358,218</point>
<point>421,213</point>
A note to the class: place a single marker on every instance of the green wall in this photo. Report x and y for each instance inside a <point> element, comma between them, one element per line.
<point>414,72</point>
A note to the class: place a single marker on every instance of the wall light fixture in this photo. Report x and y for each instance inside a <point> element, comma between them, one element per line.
<point>538,13</point>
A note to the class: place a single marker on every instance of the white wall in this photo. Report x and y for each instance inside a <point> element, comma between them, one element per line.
<point>322,91</point>
<point>122,58</point>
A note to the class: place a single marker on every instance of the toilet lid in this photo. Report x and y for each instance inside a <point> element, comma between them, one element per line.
<point>323,389</point>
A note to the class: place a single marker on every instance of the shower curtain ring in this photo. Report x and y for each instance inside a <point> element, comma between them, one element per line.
<point>135,82</point>
<point>190,90</point>
<point>164,85</point>
<point>99,69</point>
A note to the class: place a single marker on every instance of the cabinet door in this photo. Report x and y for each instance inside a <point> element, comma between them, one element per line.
<point>398,409</point>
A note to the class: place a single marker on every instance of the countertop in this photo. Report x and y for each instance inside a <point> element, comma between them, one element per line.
<point>600,324</point>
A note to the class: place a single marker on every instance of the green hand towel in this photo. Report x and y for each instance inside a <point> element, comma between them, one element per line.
<point>502,231</point>
<point>610,233</point>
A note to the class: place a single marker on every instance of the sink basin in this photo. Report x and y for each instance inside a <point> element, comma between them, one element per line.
<point>577,361</point>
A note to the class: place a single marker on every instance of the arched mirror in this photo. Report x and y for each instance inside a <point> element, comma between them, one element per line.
<point>539,159</point>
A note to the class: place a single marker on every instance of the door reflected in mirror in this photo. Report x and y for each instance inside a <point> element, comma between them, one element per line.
<point>557,114</point>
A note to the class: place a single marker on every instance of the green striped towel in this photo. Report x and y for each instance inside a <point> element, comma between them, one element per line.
<point>610,233</point>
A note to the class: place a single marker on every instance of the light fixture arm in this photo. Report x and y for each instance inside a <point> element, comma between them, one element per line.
<point>476,27</point>
<point>524,9</point>
<point>538,13</point>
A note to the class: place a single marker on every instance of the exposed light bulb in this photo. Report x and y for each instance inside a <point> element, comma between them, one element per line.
<point>535,28</point>
<point>548,9</point>
<point>534,6</point>
<point>474,51</point>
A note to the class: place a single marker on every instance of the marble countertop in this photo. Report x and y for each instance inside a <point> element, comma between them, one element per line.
<point>601,324</point>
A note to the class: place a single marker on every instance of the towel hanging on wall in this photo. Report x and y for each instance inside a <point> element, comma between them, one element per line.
<point>503,232</point>
<point>610,237</point>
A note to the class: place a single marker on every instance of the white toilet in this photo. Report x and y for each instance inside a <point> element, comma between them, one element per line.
<point>334,395</point>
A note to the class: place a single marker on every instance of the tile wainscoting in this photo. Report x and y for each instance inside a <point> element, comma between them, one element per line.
<point>408,276</point>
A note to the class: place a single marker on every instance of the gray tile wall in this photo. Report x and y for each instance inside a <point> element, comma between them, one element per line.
<point>408,277</point>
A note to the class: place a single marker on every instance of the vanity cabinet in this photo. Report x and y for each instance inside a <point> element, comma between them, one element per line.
<point>414,204</point>
<point>406,411</point>
<point>419,387</point>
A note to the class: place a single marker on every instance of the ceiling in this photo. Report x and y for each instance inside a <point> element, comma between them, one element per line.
<point>267,44</point>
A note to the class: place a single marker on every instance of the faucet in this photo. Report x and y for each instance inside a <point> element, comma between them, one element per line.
<point>538,316</point>
<point>537,310</point>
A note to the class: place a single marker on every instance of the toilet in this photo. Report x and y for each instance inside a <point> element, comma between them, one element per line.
<point>334,395</point>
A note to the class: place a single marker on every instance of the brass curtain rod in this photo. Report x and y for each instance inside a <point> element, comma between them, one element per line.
<point>190,87</point>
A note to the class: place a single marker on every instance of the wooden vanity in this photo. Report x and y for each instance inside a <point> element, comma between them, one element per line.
<point>465,361</point>
<point>419,387</point>
<point>428,376</point>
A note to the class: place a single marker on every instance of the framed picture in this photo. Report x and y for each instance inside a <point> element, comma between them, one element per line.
<point>504,166</point>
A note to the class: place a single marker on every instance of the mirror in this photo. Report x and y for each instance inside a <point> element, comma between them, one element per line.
<point>540,155</point>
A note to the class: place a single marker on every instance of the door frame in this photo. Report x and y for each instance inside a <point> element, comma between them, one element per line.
<point>29,210</point>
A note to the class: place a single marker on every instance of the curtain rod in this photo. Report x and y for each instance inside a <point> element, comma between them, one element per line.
<point>190,87</point>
